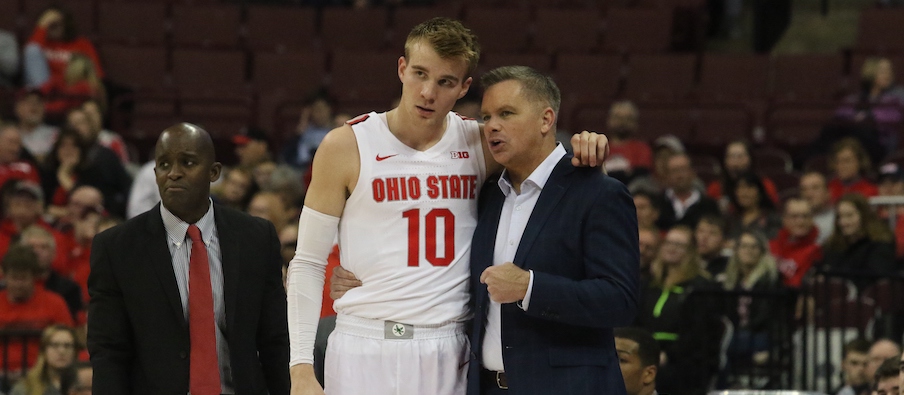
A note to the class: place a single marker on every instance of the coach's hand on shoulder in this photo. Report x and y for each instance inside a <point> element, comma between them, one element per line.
<point>304,382</point>
<point>590,149</point>
<point>341,281</point>
<point>506,283</point>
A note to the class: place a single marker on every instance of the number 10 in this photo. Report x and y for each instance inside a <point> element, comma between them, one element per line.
<point>414,231</point>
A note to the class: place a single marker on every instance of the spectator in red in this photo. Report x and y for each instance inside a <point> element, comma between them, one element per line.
<point>795,248</point>
<point>79,83</point>
<point>22,204</point>
<point>59,346</point>
<point>37,136</point>
<point>628,155</point>
<point>814,189</point>
<point>751,208</point>
<point>12,167</point>
<point>710,238</point>
<point>738,159</point>
<point>44,247</point>
<point>862,243</point>
<point>851,164</point>
<point>55,41</point>
<point>23,305</point>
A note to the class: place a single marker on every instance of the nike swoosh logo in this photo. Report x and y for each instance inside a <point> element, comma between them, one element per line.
<point>382,158</point>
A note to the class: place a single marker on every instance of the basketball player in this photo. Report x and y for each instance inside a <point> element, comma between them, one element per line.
<point>400,189</point>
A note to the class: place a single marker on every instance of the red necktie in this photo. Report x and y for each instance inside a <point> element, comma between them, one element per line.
<point>204,372</point>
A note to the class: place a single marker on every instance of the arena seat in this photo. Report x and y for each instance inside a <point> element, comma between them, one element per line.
<point>499,29</point>
<point>807,77</point>
<point>660,76</point>
<point>139,68</point>
<point>587,77</point>
<point>733,77</point>
<point>132,23</point>
<point>638,30</point>
<point>567,30</point>
<point>280,28</point>
<point>207,26</point>
<point>346,28</point>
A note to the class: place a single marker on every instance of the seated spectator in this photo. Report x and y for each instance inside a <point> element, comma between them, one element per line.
<point>795,247</point>
<point>751,268</point>
<point>71,89</point>
<point>262,174</point>
<point>738,160</point>
<point>44,247</point>
<point>665,304</point>
<point>252,147</point>
<point>9,58</point>
<point>37,136</point>
<point>269,206</point>
<point>235,190</point>
<point>638,358</point>
<point>851,166</point>
<point>862,243</point>
<point>886,379</point>
<point>751,208</point>
<point>663,149</point>
<point>710,238</point>
<point>107,138</point>
<point>51,47</point>
<point>891,183</point>
<point>878,103</point>
<point>315,122</point>
<point>22,206</point>
<point>144,194</point>
<point>12,167</point>
<point>23,305</point>
<point>649,249</point>
<point>628,156</point>
<point>684,204</point>
<point>81,381</point>
<point>815,190</point>
<point>82,200</point>
<point>853,368</point>
<point>648,208</point>
<point>879,351</point>
<point>59,347</point>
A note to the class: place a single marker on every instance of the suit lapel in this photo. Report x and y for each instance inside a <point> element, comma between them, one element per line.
<point>229,256</point>
<point>549,197</point>
<point>162,261</point>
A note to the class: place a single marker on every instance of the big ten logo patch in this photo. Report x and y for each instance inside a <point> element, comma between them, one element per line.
<point>460,155</point>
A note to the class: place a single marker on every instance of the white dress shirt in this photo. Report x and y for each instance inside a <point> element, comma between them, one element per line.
<point>180,249</point>
<point>144,194</point>
<point>516,211</point>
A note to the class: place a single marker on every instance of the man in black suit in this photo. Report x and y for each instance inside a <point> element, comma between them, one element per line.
<point>554,258</point>
<point>187,297</point>
<point>684,204</point>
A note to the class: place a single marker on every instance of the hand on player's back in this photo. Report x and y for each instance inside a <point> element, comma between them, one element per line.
<point>341,281</point>
<point>590,149</point>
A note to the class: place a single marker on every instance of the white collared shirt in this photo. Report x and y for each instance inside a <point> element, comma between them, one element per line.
<point>682,206</point>
<point>516,211</point>
<point>180,250</point>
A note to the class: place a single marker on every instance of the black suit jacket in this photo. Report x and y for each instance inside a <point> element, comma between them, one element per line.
<point>581,243</point>
<point>138,337</point>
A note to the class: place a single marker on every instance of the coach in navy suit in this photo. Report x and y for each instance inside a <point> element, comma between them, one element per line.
<point>554,259</point>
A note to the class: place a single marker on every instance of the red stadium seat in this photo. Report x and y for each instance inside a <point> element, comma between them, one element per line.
<point>592,78</point>
<point>797,125</point>
<point>140,68</point>
<point>208,72</point>
<point>500,29</point>
<point>281,28</point>
<point>772,160</point>
<point>660,77</point>
<point>887,295</point>
<point>289,72</point>
<point>881,30</point>
<point>492,60</point>
<point>733,77</point>
<point>638,30</point>
<point>405,18</point>
<point>365,76</point>
<point>567,30</point>
<point>9,15</point>
<point>208,26</point>
<point>807,77</point>
<point>720,126</point>
<point>348,28</point>
<point>132,22</point>
<point>658,121</point>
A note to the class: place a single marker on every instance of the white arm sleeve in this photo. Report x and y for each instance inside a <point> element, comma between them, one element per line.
<point>316,233</point>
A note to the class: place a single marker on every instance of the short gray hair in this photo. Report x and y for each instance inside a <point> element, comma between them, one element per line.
<point>538,86</point>
<point>37,232</point>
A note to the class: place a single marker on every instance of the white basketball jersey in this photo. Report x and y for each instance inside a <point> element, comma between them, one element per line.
<point>406,229</point>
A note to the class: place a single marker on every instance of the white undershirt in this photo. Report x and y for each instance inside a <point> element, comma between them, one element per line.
<point>516,211</point>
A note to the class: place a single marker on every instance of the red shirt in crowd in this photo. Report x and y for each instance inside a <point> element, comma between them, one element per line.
<point>714,189</point>
<point>61,97</point>
<point>837,188</point>
<point>58,53</point>
<point>795,256</point>
<point>20,170</point>
<point>45,308</point>
<point>10,232</point>
<point>637,153</point>
<point>80,266</point>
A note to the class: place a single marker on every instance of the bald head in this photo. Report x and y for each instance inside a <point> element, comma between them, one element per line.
<point>185,167</point>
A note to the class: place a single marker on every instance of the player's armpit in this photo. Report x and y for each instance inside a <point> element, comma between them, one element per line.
<point>341,281</point>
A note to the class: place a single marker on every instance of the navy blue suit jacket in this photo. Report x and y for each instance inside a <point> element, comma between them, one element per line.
<point>581,243</point>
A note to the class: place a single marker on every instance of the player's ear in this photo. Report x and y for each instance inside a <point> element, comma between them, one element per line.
<point>464,87</point>
<point>402,65</point>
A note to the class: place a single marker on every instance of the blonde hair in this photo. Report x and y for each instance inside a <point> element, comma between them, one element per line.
<point>870,68</point>
<point>449,38</point>
<point>81,68</point>
<point>38,377</point>
<point>765,267</point>
<point>691,266</point>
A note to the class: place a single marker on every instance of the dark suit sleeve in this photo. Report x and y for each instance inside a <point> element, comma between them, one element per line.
<point>273,330</point>
<point>608,296</point>
<point>110,340</point>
